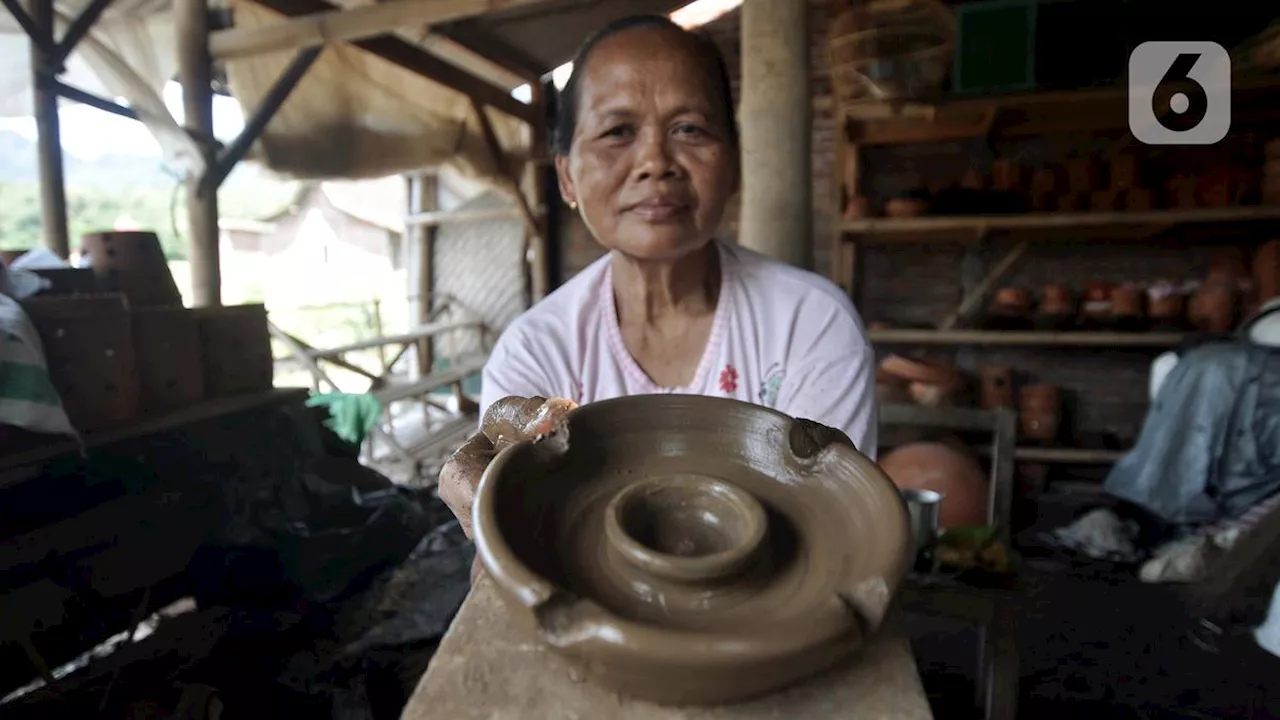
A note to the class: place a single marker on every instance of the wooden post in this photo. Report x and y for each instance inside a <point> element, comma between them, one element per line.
<point>539,153</point>
<point>776,117</point>
<point>195,72</point>
<point>53,198</point>
<point>423,197</point>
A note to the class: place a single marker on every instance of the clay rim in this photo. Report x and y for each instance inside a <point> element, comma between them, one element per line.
<point>746,511</point>
<point>536,593</point>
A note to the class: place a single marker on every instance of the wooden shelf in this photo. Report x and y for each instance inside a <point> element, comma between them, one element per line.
<point>876,122</point>
<point>1061,455</point>
<point>1027,339</point>
<point>1054,226</point>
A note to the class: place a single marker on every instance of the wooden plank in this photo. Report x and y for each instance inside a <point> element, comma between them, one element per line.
<point>445,217</point>
<point>416,60</point>
<point>348,24</point>
<point>461,371</point>
<point>975,296</point>
<point>487,668</point>
<point>1027,339</point>
<point>419,333</point>
<point>1066,455</point>
<point>199,413</point>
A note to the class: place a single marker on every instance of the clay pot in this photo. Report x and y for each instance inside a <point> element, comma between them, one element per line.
<point>973,180</point>
<point>1074,201</point>
<point>1128,302</point>
<point>1266,271</point>
<point>946,470</point>
<point>933,394</point>
<point>1012,302</point>
<point>1039,410</point>
<point>858,207</point>
<point>1007,176</point>
<point>1097,301</point>
<point>1126,172</point>
<point>904,207</point>
<point>1215,188</point>
<point>1181,191</point>
<point>1056,300</point>
<point>1106,200</point>
<point>1166,304</point>
<point>1139,199</point>
<point>134,264</point>
<point>997,386</point>
<point>1083,175</point>
<point>918,370</point>
<point>692,550</point>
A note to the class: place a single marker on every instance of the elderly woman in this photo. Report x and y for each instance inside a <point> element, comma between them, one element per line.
<point>646,152</point>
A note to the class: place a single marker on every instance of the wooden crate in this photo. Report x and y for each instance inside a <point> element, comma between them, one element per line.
<point>236,347</point>
<point>166,343</point>
<point>88,348</point>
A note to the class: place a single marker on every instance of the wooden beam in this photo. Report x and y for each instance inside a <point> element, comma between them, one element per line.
<point>337,24</point>
<point>28,24</point>
<point>271,102</point>
<point>85,98</point>
<point>416,60</point>
<point>80,27</point>
<point>500,163</point>
<point>497,51</point>
<point>970,301</point>
<point>445,217</point>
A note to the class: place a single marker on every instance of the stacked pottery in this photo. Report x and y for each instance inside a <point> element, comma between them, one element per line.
<point>1166,306</point>
<point>1128,307</point>
<point>997,387</point>
<point>1095,309</point>
<point>1057,309</point>
<point>1084,178</point>
<point>1010,309</point>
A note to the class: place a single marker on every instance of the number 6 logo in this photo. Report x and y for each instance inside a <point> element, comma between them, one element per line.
<point>1179,93</point>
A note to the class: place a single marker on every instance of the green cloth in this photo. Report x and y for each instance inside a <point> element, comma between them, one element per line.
<point>352,416</point>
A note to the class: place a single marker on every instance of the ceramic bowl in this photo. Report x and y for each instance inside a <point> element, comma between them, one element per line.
<point>690,550</point>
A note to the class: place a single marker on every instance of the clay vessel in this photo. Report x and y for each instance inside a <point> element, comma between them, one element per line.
<point>1039,410</point>
<point>690,550</point>
<point>946,470</point>
<point>997,386</point>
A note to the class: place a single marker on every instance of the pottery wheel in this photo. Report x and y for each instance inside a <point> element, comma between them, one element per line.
<point>692,549</point>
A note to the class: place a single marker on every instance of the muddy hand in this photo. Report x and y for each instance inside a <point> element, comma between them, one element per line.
<point>509,420</point>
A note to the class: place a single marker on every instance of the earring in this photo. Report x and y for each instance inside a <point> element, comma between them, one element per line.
<point>573,204</point>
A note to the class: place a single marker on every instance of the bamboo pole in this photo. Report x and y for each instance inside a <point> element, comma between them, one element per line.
<point>53,197</point>
<point>353,24</point>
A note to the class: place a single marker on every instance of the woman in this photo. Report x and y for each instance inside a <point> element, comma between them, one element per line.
<point>646,151</point>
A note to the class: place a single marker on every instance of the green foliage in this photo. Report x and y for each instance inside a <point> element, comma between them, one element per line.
<point>92,208</point>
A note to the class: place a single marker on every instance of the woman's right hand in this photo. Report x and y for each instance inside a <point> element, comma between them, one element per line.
<point>509,420</point>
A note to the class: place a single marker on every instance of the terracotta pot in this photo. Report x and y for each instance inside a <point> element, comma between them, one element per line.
<point>1139,199</point>
<point>1012,301</point>
<point>1039,410</point>
<point>1266,271</point>
<point>858,207</point>
<point>1056,299</point>
<point>1126,172</point>
<point>1047,180</point>
<point>946,470</point>
<point>1127,301</point>
<point>997,386</point>
<point>1216,188</point>
<point>1083,175</point>
<point>1181,192</point>
<point>1074,201</point>
<point>973,180</point>
<point>1166,303</point>
<point>904,207</point>
<point>1106,200</point>
<point>1007,176</point>
<point>1097,300</point>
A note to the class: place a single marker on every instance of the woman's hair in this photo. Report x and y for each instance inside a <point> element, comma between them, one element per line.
<point>567,106</point>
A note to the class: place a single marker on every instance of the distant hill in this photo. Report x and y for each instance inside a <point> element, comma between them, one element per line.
<point>18,164</point>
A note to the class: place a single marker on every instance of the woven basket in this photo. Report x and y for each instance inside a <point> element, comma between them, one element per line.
<point>890,50</point>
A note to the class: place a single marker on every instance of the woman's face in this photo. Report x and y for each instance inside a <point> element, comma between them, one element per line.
<point>651,165</point>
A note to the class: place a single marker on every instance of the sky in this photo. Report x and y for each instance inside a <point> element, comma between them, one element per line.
<point>88,133</point>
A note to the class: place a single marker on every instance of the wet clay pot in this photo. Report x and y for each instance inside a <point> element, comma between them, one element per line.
<point>692,550</point>
<point>943,469</point>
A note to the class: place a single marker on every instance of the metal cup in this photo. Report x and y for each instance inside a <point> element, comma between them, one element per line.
<point>922,508</point>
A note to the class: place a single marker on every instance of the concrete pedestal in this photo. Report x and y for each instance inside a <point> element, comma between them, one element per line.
<point>487,668</point>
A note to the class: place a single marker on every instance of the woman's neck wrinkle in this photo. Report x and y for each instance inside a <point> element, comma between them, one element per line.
<point>647,293</point>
